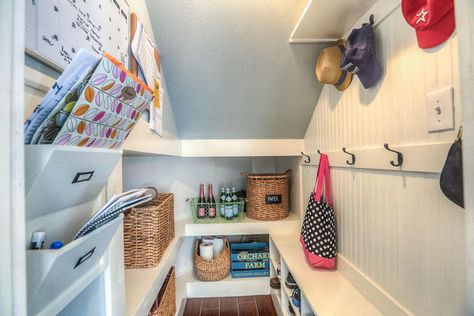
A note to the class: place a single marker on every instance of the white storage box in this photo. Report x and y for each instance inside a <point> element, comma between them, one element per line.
<point>56,276</point>
<point>58,177</point>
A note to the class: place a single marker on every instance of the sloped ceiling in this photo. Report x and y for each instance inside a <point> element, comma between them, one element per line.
<point>230,71</point>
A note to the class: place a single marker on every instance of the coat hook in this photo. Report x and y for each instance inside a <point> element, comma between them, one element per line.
<point>353,157</point>
<point>372,20</point>
<point>319,152</point>
<point>399,156</point>
<point>308,158</point>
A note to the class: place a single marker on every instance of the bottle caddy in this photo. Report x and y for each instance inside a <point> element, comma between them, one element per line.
<point>228,207</point>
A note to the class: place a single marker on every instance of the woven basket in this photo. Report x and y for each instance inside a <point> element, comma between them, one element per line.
<point>165,303</point>
<point>268,196</point>
<point>148,230</point>
<point>212,270</point>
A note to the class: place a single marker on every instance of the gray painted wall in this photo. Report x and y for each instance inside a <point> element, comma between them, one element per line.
<point>230,70</point>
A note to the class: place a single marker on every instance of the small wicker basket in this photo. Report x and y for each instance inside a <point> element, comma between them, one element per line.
<point>212,270</point>
<point>148,230</point>
<point>165,303</point>
<point>268,196</point>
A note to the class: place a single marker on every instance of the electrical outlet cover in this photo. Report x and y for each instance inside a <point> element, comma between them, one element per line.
<point>440,110</point>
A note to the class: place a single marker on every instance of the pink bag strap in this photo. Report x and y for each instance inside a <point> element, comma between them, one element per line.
<point>323,175</point>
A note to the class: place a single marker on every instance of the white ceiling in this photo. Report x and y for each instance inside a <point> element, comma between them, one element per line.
<point>230,71</point>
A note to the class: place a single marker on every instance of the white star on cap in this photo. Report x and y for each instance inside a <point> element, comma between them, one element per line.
<point>421,16</point>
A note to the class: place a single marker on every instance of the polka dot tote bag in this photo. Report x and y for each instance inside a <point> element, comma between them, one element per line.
<point>318,234</point>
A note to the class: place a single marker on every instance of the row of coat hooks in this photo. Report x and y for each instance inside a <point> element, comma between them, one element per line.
<point>352,160</point>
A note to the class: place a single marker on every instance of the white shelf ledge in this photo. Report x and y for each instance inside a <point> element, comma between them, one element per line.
<point>142,141</point>
<point>327,21</point>
<point>241,147</point>
<point>246,226</point>
<point>143,285</point>
<point>327,292</point>
<point>227,287</point>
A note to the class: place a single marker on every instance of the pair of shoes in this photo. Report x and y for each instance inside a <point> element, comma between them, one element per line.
<point>296,297</point>
<point>275,283</point>
<point>290,282</point>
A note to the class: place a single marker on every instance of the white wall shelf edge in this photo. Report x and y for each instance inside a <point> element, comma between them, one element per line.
<point>144,142</point>
<point>241,147</point>
<point>246,226</point>
<point>326,21</point>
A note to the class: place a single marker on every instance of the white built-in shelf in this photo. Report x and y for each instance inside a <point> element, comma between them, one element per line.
<point>226,287</point>
<point>246,226</point>
<point>241,147</point>
<point>143,285</point>
<point>142,141</point>
<point>327,292</point>
<point>327,21</point>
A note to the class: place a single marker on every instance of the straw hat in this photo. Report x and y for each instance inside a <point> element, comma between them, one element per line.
<point>328,67</point>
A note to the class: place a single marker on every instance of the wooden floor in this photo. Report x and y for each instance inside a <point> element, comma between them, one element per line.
<point>261,305</point>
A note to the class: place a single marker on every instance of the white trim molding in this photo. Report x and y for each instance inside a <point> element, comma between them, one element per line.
<point>12,200</point>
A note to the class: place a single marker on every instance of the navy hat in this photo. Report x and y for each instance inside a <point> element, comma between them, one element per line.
<point>359,57</point>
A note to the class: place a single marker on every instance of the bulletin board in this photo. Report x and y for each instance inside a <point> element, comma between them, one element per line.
<point>57,29</point>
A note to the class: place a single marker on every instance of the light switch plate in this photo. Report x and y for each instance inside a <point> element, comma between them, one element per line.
<point>440,110</point>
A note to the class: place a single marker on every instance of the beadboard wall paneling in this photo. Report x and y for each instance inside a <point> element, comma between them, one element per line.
<point>395,227</point>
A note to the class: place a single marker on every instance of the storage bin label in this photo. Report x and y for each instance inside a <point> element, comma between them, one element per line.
<point>250,273</point>
<point>249,256</point>
<point>84,258</point>
<point>251,265</point>
<point>273,199</point>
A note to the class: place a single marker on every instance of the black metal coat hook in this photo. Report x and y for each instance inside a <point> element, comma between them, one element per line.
<point>308,158</point>
<point>372,20</point>
<point>399,156</point>
<point>353,157</point>
<point>319,152</point>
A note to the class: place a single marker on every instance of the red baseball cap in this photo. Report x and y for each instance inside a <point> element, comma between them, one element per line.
<point>433,20</point>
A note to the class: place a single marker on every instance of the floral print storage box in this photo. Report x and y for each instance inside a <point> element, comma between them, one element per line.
<point>108,107</point>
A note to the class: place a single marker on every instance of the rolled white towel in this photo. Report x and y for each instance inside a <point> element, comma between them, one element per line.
<point>218,243</point>
<point>206,250</point>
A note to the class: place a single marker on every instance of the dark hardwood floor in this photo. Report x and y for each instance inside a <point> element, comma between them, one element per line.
<point>261,305</point>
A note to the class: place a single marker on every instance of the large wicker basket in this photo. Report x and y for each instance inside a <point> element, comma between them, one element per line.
<point>268,196</point>
<point>165,303</point>
<point>212,270</point>
<point>148,230</point>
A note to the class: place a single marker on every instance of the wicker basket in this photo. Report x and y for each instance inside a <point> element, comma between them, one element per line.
<point>268,196</point>
<point>165,303</point>
<point>212,270</point>
<point>148,230</point>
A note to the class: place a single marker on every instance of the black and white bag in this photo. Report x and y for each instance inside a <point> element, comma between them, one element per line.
<point>318,234</point>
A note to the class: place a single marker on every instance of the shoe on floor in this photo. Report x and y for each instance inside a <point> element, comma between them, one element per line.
<point>296,297</point>
<point>275,283</point>
<point>290,282</point>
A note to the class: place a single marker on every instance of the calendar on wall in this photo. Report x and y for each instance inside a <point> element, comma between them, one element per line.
<point>57,29</point>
